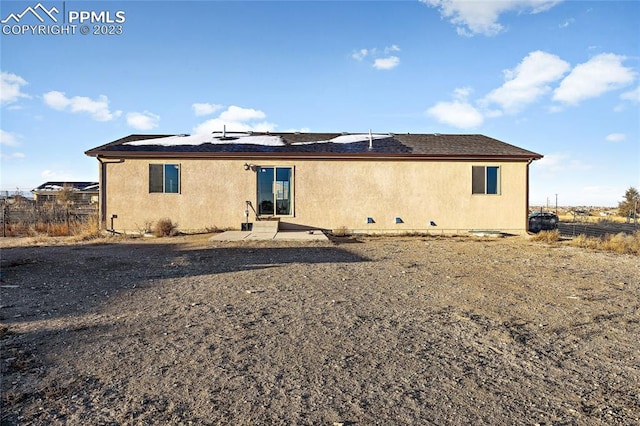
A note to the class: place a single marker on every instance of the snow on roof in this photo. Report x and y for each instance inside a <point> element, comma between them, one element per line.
<point>359,137</point>
<point>246,138</point>
<point>215,138</point>
<point>53,188</point>
<point>69,186</point>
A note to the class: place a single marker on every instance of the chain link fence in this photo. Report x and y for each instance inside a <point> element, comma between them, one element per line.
<point>27,218</point>
<point>573,229</point>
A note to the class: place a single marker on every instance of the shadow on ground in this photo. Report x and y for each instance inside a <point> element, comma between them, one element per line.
<point>51,282</point>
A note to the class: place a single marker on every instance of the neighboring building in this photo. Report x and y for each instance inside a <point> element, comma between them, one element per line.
<point>370,183</point>
<point>77,192</point>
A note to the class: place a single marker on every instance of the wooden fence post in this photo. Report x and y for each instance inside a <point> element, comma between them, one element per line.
<point>5,210</point>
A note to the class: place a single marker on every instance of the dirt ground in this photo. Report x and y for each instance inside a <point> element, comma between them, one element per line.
<point>357,331</point>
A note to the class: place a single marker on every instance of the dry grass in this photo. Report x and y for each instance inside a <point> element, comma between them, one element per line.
<point>85,229</point>
<point>591,219</point>
<point>619,243</point>
<point>547,236</point>
<point>50,221</point>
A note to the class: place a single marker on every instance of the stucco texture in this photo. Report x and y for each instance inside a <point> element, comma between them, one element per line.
<point>338,194</point>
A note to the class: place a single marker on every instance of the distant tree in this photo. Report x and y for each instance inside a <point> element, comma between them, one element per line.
<point>631,201</point>
<point>66,195</point>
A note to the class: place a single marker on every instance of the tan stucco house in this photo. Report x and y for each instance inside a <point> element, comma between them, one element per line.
<point>361,183</point>
<point>77,192</point>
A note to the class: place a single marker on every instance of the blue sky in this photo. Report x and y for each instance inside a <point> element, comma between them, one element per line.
<point>561,78</point>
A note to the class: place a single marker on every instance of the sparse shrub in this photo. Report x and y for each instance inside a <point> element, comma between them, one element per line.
<point>88,229</point>
<point>585,242</point>
<point>547,236</point>
<point>165,228</point>
<point>341,231</point>
<point>146,228</point>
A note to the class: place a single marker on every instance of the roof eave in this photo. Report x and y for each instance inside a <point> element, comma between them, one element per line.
<point>308,155</point>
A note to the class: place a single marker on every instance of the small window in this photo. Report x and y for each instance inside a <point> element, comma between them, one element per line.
<point>164,178</point>
<point>485,180</point>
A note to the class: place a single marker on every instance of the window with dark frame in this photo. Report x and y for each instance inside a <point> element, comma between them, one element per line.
<point>485,180</point>
<point>164,178</point>
<point>275,191</point>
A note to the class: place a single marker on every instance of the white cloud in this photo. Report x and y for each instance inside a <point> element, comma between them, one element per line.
<point>236,119</point>
<point>386,63</point>
<point>235,113</point>
<point>566,23</point>
<point>462,93</point>
<point>616,137</point>
<point>9,139</point>
<point>633,95</point>
<point>12,156</point>
<point>599,75</point>
<point>528,81</point>
<point>359,55</point>
<point>56,100</point>
<point>599,195</point>
<point>558,162</point>
<point>457,114</point>
<point>51,175</point>
<point>392,48</point>
<point>205,108</point>
<point>379,62</point>
<point>143,120</point>
<point>10,87</point>
<point>551,162</point>
<point>12,140</point>
<point>98,109</point>
<point>481,17</point>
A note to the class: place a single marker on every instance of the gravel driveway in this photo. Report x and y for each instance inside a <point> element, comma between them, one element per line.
<point>356,331</point>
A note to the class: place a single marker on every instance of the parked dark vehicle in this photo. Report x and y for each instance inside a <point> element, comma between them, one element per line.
<point>542,221</point>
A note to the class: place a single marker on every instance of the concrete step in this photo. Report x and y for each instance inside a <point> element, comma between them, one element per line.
<point>265,226</point>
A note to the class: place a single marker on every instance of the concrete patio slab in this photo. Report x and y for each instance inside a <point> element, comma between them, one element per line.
<point>264,235</point>
<point>231,236</point>
<point>315,235</point>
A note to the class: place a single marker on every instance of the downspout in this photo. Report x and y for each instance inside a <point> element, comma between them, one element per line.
<point>526,216</point>
<point>102,191</point>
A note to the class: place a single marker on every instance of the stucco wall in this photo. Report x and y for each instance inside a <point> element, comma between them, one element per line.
<point>327,194</point>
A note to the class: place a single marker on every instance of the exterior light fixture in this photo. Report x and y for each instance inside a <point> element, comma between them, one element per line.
<point>370,220</point>
<point>399,220</point>
<point>247,166</point>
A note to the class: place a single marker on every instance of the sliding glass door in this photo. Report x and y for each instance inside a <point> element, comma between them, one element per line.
<point>274,191</point>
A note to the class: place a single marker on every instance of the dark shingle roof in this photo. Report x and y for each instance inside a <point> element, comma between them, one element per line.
<point>319,145</point>
<point>76,186</point>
